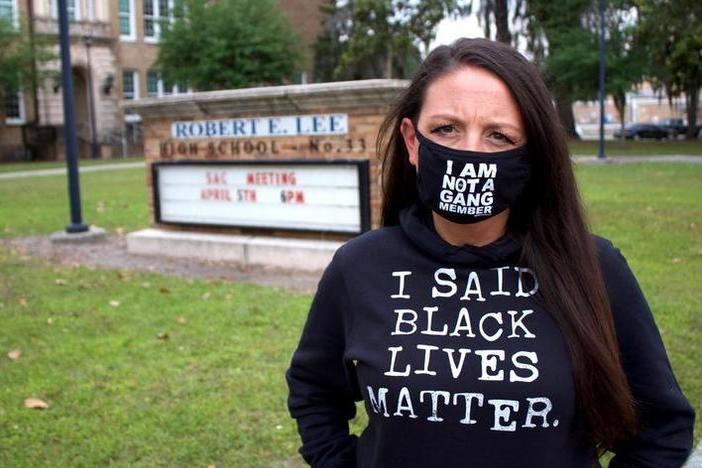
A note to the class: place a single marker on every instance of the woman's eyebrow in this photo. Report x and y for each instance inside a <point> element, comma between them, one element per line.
<point>445,117</point>
<point>489,122</point>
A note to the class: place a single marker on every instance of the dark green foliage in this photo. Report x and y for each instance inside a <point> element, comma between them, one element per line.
<point>18,56</point>
<point>671,33</point>
<point>377,38</point>
<point>230,44</point>
<point>563,36</point>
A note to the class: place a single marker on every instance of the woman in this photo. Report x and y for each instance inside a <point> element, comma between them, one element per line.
<point>483,325</point>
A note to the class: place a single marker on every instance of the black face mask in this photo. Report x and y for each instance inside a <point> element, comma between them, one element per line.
<point>469,186</point>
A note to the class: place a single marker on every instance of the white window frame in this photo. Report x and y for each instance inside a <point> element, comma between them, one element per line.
<point>77,13</point>
<point>131,37</point>
<point>135,81</point>
<point>15,13</point>
<point>158,79</point>
<point>76,10</point>
<point>89,10</point>
<point>21,119</point>
<point>157,17</point>
<point>161,89</point>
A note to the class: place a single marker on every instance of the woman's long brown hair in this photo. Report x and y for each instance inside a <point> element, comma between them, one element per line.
<point>549,220</point>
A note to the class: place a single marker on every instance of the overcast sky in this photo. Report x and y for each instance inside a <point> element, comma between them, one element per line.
<point>451,29</point>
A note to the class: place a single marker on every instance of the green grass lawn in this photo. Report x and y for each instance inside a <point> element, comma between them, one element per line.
<point>190,372</point>
<point>34,165</point>
<point>637,148</point>
<point>111,199</point>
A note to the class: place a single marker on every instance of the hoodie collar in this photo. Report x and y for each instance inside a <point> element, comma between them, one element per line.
<point>417,224</point>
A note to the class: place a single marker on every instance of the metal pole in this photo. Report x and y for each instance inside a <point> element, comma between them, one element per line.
<point>91,101</point>
<point>69,123</point>
<point>601,153</point>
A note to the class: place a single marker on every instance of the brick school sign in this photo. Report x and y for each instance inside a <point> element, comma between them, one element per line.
<point>294,161</point>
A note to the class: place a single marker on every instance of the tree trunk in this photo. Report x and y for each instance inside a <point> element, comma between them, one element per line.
<point>2,106</point>
<point>486,17</point>
<point>564,105</point>
<point>620,104</point>
<point>693,99</point>
<point>502,21</point>
<point>388,61</point>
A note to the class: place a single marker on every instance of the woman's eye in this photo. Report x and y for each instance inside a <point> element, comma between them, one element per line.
<point>444,129</point>
<point>502,137</point>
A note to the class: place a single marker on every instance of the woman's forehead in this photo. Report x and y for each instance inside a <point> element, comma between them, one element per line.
<point>470,92</point>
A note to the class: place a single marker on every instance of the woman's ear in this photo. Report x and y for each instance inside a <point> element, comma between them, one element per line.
<point>410,139</point>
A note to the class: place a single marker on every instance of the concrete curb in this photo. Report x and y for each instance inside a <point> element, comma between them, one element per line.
<point>298,254</point>
<point>695,460</point>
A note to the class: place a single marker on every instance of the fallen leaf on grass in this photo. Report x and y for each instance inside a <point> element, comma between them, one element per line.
<point>14,354</point>
<point>60,281</point>
<point>22,301</point>
<point>35,403</point>
<point>181,319</point>
<point>123,276</point>
<point>114,303</point>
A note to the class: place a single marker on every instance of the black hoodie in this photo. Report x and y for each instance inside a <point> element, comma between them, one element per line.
<point>457,364</point>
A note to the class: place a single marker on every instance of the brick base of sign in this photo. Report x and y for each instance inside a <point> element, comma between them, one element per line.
<point>298,254</point>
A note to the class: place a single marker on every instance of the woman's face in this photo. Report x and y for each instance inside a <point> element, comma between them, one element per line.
<point>468,109</point>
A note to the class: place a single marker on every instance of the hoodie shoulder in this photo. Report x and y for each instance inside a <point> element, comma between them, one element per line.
<point>607,252</point>
<point>602,244</point>
<point>373,241</point>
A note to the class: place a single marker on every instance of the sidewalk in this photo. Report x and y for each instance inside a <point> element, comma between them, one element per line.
<point>578,158</point>
<point>62,170</point>
<point>673,158</point>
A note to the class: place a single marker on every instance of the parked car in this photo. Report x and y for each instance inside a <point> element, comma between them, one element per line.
<point>674,126</point>
<point>637,131</point>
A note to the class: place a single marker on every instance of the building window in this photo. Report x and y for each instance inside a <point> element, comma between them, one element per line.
<point>130,84</point>
<point>152,80</point>
<point>72,7</point>
<point>8,10</point>
<point>127,22</point>
<point>14,108</point>
<point>156,14</point>
<point>73,11</point>
<point>156,87</point>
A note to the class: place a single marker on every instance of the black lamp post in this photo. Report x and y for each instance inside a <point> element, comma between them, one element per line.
<point>69,123</point>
